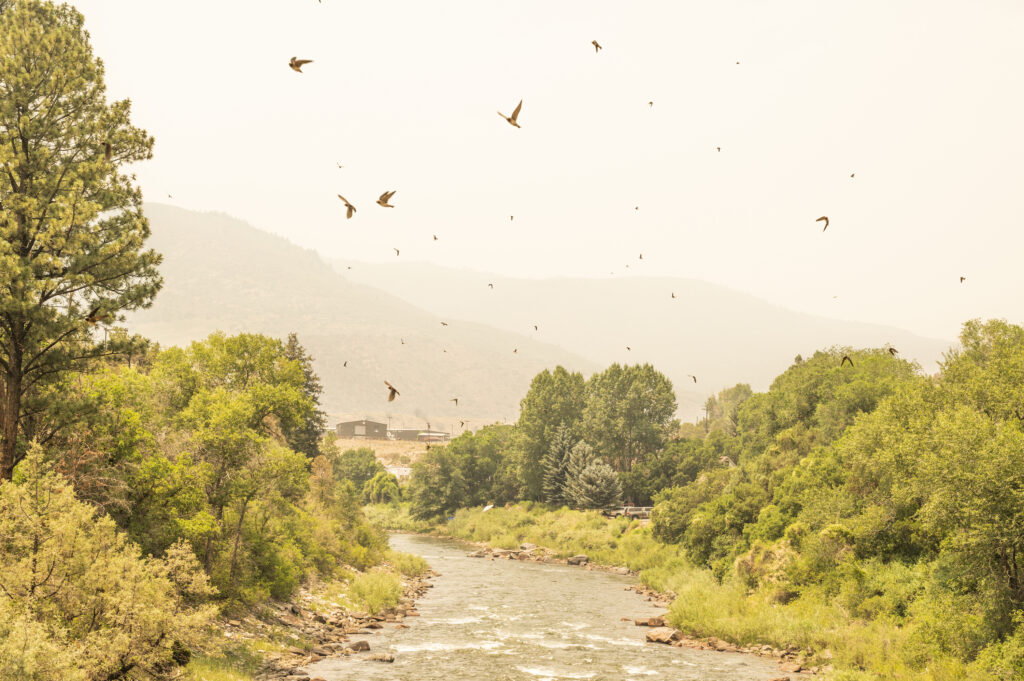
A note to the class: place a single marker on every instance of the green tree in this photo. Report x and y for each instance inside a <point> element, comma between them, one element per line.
<point>305,436</point>
<point>77,601</point>
<point>71,224</point>
<point>359,466</point>
<point>556,466</point>
<point>596,486</point>
<point>628,413</point>
<point>554,400</point>
<point>382,489</point>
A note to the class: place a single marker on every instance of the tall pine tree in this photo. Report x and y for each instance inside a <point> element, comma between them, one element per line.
<point>305,437</point>
<point>556,465</point>
<point>71,223</point>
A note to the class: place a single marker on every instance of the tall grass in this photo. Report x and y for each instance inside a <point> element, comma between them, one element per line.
<point>376,591</point>
<point>394,517</point>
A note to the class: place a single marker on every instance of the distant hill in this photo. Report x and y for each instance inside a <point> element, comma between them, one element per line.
<point>223,274</point>
<point>717,334</point>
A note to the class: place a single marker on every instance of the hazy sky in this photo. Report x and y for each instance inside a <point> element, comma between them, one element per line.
<point>921,100</point>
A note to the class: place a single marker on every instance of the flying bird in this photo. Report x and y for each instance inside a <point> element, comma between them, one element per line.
<point>515,114</point>
<point>349,208</point>
<point>511,218</point>
<point>95,317</point>
<point>488,507</point>
<point>641,256</point>
<point>392,392</point>
<point>435,237</point>
<point>403,340</point>
<point>534,327</point>
<point>596,45</point>
<point>397,252</point>
<point>823,218</point>
<point>673,294</point>
<point>108,152</point>
<point>384,198</point>
<point>515,351</point>
<point>629,348</point>
<point>846,358</point>
<point>719,148</point>
<point>462,424</point>
<point>338,164</point>
<point>490,285</point>
<point>893,351</point>
<point>345,363</point>
<point>650,104</point>
<point>962,279</point>
<point>444,323</point>
<point>296,64</point>
<point>693,377</point>
<point>852,174</point>
<point>455,400</point>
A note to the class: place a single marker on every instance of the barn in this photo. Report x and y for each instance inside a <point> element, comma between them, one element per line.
<point>371,430</point>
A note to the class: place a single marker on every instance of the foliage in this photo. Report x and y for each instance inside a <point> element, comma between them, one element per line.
<point>71,224</point>
<point>305,436</point>
<point>554,402</point>
<point>382,489</point>
<point>376,591</point>
<point>596,487</point>
<point>556,466</point>
<point>77,599</point>
<point>358,466</point>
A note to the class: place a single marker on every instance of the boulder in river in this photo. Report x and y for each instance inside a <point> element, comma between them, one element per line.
<point>381,657</point>
<point>662,635</point>
<point>580,559</point>
<point>359,646</point>
<point>650,622</point>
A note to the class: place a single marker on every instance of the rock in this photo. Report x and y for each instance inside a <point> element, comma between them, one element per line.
<point>650,622</point>
<point>296,610</point>
<point>581,559</point>
<point>479,554</point>
<point>359,646</point>
<point>234,623</point>
<point>793,667</point>
<point>523,556</point>
<point>381,657</point>
<point>322,651</point>
<point>296,651</point>
<point>621,570</point>
<point>527,546</point>
<point>374,625</point>
<point>780,678</point>
<point>663,635</point>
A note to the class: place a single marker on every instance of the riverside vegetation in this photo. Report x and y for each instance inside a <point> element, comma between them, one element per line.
<point>869,513</point>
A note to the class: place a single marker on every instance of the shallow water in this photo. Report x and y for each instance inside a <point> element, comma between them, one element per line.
<point>508,620</point>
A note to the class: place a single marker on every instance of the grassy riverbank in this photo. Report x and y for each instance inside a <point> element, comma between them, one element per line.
<point>236,653</point>
<point>859,649</point>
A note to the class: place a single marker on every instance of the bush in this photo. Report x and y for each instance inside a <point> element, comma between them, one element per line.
<point>376,591</point>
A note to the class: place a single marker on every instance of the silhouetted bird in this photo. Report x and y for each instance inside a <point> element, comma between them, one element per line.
<point>349,208</point>
<point>384,198</point>
<point>650,104</point>
<point>95,317</point>
<point>397,252</point>
<point>846,358</point>
<point>338,164</point>
<point>893,351</point>
<point>435,237</point>
<point>823,218</point>
<point>345,363</point>
<point>596,46</point>
<point>693,377</point>
<point>852,174</point>
<point>535,327</point>
<point>462,424</point>
<point>673,294</point>
<point>515,351</point>
<point>296,64</point>
<point>392,392</point>
<point>962,279</point>
<point>490,285</point>
<point>444,323</point>
<point>515,114</point>
<point>455,400</point>
<point>719,148</point>
<point>629,348</point>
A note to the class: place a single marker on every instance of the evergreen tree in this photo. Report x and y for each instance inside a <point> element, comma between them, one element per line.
<point>71,224</point>
<point>556,465</point>
<point>305,437</point>
<point>596,486</point>
<point>580,457</point>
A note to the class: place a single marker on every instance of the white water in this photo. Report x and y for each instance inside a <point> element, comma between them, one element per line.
<point>516,621</point>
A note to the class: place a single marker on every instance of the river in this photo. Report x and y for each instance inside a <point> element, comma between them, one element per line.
<point>507,620</point>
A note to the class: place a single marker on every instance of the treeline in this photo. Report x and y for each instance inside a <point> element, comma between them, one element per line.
<point>866,489</point>
<point>575,443</point>
<point>191,481</point>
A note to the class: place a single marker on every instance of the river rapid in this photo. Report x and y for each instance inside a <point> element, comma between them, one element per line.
<point>507,620</point>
